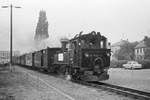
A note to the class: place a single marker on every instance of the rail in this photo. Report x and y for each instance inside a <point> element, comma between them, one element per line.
<point>128,92</point>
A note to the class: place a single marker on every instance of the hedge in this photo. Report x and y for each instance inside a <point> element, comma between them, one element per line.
<point>145,63</point>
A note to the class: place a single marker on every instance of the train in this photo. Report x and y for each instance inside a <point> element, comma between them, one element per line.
<point>84,57</point>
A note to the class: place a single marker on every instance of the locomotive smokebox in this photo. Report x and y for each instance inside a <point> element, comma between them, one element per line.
<point>64,42</point>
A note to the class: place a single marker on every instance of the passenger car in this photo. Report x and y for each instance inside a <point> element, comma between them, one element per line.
<point>132,65</point>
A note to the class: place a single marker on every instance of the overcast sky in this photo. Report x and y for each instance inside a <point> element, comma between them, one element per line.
<point>117,19</point>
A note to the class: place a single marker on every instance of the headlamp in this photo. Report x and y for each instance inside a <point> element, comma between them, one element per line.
<point>108,54</point>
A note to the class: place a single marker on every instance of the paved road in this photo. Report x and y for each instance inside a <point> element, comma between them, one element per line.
<point>136,79</point>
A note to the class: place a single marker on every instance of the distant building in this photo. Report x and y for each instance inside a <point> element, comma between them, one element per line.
<point>116,47</point>
<point>5,56</point>
<point>139,50</point>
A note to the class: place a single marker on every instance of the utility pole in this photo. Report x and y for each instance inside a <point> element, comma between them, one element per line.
<point>11,37</point>
<point>11,31</point>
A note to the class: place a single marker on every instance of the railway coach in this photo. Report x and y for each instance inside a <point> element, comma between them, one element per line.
<point>44,59</point>
<point>38,59</point>
<point>22,60</point>
<point>29,59</point>
<point>47,59</point>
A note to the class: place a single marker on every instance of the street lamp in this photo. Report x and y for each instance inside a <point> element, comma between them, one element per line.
<point>11,30</point>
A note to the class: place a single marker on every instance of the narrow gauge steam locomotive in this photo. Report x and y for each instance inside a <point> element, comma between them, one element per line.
<point>84,57</point>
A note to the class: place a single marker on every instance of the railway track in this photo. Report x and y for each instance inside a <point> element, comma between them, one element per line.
<point>128,92</point>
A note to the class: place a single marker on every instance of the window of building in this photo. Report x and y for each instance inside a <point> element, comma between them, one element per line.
<point>137,51</point>
<point>142,50</point>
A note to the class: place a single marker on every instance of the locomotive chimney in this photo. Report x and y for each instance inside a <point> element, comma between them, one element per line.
<point>64,42</point>
<point>99,39</point>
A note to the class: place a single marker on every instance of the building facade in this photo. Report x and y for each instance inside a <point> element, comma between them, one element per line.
<point>5,56</point>
<point>116,47</point>
<point>139,51</point>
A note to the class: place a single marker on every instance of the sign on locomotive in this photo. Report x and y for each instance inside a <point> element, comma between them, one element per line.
<point>84,57</point>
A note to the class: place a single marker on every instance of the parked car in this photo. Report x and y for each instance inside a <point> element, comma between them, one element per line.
<point>132,65</point>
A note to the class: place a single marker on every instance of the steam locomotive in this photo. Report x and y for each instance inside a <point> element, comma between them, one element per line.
<point>84,57</point>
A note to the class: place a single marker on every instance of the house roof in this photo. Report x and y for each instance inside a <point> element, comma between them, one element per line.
<point>141,45</point>
<point>120,43</point>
